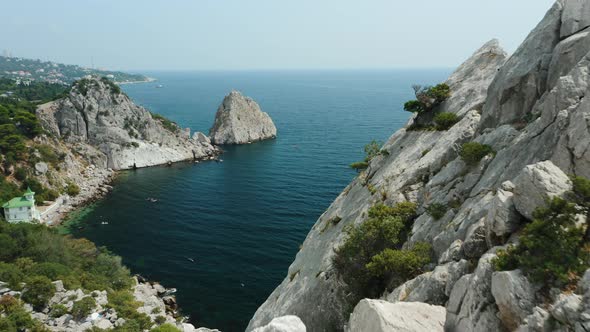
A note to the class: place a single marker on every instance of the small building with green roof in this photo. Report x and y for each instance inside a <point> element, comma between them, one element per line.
<point>22,209</point>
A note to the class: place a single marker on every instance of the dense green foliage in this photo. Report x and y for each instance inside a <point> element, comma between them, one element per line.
<point>126,306</point>
<point>72,189</point>
<point>427,98</point>
<point>473,152</point>
<point>552,249</point>
<point>165,328</point>
<point>371,258</point>
<point>14,317</point>
<point>372,150</point>
<point>36,91</point>
<point>445,120</point>
<point>436,210</point>
<point>38,290</point>
<point>37,251</point>
<point>83,307</point>
<point>168,124</point>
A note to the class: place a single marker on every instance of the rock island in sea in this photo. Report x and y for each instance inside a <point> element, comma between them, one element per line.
<point>239,120</point>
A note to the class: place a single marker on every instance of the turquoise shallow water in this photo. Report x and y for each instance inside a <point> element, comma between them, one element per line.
<point>243,220</point>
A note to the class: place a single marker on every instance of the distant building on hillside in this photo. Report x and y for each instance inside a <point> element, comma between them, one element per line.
<point>21,209</point>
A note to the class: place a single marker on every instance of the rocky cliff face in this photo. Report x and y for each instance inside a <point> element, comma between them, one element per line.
<point>96,113</point>
<point>532,110</point>
<point>239,120</point>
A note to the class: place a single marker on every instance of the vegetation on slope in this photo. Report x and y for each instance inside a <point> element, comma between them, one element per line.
<point>371,259</point>
<point>372,150</point>
<point>553,249</point>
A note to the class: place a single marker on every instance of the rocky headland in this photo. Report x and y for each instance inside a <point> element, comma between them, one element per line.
<point>98,114</point>
<point>530,112</point>
<point>239,120</point>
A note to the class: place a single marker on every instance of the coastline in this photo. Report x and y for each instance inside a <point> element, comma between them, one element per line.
<point>148,80</point>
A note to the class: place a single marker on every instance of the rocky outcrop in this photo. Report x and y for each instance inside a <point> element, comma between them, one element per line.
<point>97,114</point>
<point>150,296</point>
<point>382,316</point>
<point>538,183</point>
<point>533,110</point>
<point>283,324</point>
<point>239,120</point>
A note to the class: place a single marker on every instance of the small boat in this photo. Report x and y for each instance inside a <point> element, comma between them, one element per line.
<point>151,199</point>
<point>159,86</point>
<point>242,285</point>
<point>191,259</point>
<point>104,223</point>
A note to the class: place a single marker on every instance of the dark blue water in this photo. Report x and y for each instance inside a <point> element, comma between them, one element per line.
<point>243,220</point>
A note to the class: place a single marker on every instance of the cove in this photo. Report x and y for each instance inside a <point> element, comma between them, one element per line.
<point>242,220</point>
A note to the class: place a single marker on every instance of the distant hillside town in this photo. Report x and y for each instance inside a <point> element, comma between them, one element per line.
<point>24,71</point>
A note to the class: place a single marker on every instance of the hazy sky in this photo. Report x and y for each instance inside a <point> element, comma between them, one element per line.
<point>262,34</point>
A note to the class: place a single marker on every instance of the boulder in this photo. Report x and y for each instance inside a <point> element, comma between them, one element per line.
<point>382,316</point>
<point>514,297</point>
<point>566,309</point>
<point>502,218</point>
<point>283,324</point>
<point>239,120</point>
<point>201,138</point>
<point>536,184</point>
<point>41,168</point>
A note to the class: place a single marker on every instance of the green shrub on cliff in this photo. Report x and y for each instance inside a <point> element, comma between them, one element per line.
<point>445,120</point>
<point>372,252</point>
<point>473,152</point>
<point>552,249</point>
<point>38,290</point>
<point>165,328</point>
<point>83,307</point>
<point>427,98</point>
<point>372,150</point>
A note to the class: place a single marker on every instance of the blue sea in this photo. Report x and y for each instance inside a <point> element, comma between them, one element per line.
<point>243,220</point>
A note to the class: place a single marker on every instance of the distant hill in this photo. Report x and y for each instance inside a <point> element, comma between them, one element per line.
<point>28,70</point>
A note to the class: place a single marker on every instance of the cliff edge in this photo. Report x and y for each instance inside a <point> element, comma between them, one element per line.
<point>531,110</point>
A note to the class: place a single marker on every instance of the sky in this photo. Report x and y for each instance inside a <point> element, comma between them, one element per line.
<point>262,34</point>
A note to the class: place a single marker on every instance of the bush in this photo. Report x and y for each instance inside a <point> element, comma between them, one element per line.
<point>552,250</point>
<point>436,210</point>
<point>400,265</point>
<point>38,290</point>
<point>473,152</point>
<point>165,328</point>
<point>359,165</point>
<point>72,189</point>
<point>20,174</point>
<point>427,98</point>
<point>160,320</point>
<point>372,150</point>
<point>386,228</point>
<point>58,310</point>
<point>83,307</point>
<point>445,120</point>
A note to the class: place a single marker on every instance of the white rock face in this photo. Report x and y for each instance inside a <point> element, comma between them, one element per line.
<point>536,184</point>
<point>239,120</point>
<point>126,135</point>
<point>514,297</point>
<point>283,324</point>
<point>382,316</point>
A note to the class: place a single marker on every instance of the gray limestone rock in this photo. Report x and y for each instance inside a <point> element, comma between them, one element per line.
<point>575,17</point>
<point>283,324</point>
<point>536,184</point>
<point>239,120</point>
<point>514,295</point>
<point>126,135</point>
<point>382,316</point>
